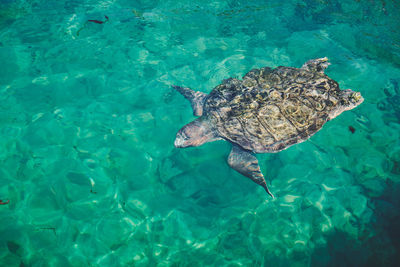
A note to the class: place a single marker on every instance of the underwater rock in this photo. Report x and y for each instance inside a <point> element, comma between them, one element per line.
<point>172,166</point>
<point>137,209</point>
<point>184,184</point>
<point>391,104</point>
<point>13,247</point>
<point>371,165</point>
<point>374,187</point>
<point>114,229</point>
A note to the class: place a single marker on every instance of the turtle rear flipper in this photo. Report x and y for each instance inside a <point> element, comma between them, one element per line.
<point>246,163</point>
<point>196,98</point>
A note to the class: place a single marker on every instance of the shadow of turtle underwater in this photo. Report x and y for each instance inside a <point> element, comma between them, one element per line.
<point>267,111</point>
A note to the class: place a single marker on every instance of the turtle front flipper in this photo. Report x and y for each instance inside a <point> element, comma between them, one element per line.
<point>316,65</point>
<point>196,98</point>
<point>246,163</point>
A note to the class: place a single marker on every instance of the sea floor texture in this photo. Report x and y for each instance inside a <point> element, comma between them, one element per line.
<point>88,119</point>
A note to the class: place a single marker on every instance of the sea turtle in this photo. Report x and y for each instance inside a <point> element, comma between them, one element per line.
<point>267,111</point>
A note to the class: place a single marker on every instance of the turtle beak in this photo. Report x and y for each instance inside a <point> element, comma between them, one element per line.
<point>180,140</point>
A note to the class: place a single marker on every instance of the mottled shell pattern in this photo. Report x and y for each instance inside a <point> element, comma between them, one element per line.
<point>272,109</point>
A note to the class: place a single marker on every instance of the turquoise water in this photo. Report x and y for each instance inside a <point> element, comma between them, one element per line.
<point>88,120</point>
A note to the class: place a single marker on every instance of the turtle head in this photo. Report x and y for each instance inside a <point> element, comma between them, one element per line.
<point>195,133</point>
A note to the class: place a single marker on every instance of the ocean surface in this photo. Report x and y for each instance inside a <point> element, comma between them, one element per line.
<point>88,119</point>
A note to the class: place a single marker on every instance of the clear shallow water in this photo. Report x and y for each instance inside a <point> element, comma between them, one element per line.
<point>88,120</point>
